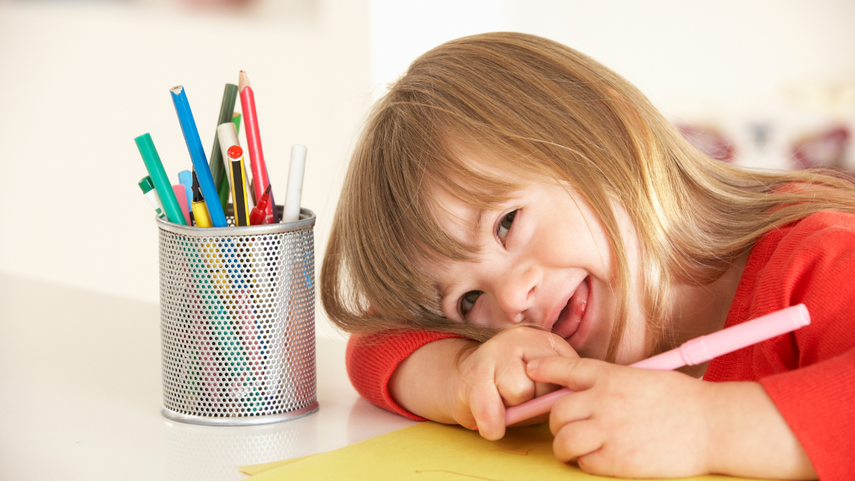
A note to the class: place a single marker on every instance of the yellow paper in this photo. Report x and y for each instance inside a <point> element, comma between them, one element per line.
<point>431,451</point>
<point>260,468</point>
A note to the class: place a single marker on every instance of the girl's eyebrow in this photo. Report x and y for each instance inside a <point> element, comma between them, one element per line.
<point>479,221</point>
<point>476,216</point>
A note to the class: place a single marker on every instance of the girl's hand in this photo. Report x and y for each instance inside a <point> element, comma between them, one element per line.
<point>629,422</point>
<point>467,383</point>
<point>626,422</point>
<point>493,376</point>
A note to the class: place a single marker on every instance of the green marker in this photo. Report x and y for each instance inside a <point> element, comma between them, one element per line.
<point>161,182</point>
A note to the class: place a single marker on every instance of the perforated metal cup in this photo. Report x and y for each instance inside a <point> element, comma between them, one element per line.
<point>237,322</point>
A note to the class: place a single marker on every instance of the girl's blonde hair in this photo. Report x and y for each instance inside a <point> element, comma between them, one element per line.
<point>538,109</point>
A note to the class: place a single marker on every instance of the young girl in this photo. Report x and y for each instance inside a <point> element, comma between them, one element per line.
<point>517,218</point>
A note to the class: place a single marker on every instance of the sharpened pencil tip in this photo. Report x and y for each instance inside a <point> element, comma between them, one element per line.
<point>177,89</point>
<point>243,81</point>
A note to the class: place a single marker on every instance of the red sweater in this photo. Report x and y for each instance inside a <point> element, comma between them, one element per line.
<point>809,374</point>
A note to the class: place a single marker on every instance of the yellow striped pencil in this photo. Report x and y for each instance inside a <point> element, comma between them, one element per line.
<point>237,176</point>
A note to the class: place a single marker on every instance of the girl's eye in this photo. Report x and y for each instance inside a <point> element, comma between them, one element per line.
<point>467,302</point>
<point>505,226</point>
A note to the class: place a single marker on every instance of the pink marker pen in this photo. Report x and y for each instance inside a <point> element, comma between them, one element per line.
<point>691,353</point>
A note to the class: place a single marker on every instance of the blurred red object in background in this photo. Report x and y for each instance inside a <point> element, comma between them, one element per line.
<point>709,141</point>
<point>825,149</point>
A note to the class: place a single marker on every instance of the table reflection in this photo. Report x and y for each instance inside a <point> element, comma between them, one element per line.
<point>210,453</point>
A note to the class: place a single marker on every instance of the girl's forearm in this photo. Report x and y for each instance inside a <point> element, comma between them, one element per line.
<point>749,437</point>
<point>425,382</point>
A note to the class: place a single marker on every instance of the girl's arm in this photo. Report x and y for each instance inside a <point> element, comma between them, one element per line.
<point>749,437</point>
<point>372,359</point>
<point>463,382</point>
<point>452,380</point>
<point>423,383</point>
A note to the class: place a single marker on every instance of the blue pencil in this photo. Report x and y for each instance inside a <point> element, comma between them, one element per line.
<point>197,154</point>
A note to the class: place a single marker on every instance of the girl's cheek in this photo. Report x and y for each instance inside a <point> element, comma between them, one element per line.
<point>474,316</point>
<point>479,315</point>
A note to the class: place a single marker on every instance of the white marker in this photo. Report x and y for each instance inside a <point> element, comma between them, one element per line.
<point>227,136</point>
<point>294,191</point>
<point>147,188</point>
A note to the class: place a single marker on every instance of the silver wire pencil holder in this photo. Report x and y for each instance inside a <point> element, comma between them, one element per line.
<point>237,322</point>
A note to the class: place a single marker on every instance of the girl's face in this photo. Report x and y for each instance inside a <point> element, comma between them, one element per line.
<point>544,259</point>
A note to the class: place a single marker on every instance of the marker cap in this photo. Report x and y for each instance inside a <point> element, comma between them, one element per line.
<point>235,152</point>
<point>146,184</point>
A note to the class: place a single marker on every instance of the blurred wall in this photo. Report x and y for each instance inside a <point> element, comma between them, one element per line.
<point>762,73</point>
<point>80,80</point>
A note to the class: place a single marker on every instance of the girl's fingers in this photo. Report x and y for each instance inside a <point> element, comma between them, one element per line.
<point>461,413</point>
<point>540,388</point>
<point>577,440</point>
<point>572,408</point>
<point>514,385</point>
<point>488,410</point>
<point>541,344</point>
<point>559,345</point>
<point>496,376</point>
<point>575,373</point>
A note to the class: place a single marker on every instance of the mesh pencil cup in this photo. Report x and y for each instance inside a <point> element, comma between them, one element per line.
<point>237,322</point>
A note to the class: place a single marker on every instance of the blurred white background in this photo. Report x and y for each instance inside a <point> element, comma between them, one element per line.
<point>80,79</point>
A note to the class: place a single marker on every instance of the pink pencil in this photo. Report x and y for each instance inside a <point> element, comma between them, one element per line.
<point>179,190</point>
<point>253,144</point>
<point>691,353</point>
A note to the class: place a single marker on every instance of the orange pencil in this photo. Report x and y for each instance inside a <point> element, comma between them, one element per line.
<point>253,144</point>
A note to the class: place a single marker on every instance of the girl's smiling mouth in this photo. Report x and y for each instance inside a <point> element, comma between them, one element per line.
<point>571,315</point>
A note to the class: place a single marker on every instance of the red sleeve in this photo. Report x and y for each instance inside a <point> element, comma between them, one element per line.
<point>817,399</point>
<point>818,403</point>
<point>371,360</point>
<point>810,374</point>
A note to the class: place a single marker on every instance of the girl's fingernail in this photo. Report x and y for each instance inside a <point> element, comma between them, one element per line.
<point>474,428</point>
<point>531,366</point>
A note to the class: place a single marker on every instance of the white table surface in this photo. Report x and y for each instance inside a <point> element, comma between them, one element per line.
<point>80,397</point>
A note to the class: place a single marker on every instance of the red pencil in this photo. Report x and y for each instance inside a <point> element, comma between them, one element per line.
<point>253,140</point>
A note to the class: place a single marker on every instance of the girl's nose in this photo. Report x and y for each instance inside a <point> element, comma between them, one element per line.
<point>515,293</point>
